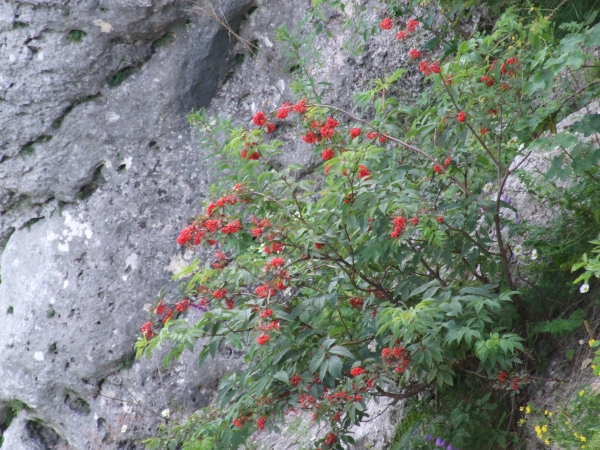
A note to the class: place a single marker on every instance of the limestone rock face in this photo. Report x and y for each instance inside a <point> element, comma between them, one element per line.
<point>97,176</point>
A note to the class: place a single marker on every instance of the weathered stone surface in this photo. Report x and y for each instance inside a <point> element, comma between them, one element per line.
<point>96,180</point>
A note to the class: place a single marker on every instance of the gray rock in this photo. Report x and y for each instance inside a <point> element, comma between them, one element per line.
<point>96,179</point>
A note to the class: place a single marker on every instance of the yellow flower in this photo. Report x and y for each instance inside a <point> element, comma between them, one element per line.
<point>550,414</point>
<point>547,442</point>
<point>521,408</point>
<point>591,342</point>
<point>581,392</point>
<point>583,438</point>
<point>545,412</point>
<point>527,410</point>
<point>538,431</point>
<point>545,428</point>
<point>576,434</point>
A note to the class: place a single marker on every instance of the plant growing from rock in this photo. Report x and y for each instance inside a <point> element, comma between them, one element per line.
<point>394,270</point>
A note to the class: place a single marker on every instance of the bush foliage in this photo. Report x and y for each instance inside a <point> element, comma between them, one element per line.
<point>396,270</point>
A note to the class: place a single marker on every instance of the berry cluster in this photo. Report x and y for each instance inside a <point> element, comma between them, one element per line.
<point>356,302</point>
<point>363,172</point>
<point>399,227</point>
<point>264,291</point>
<point>263,339</point>
<point>514,385</point>
<point>260,119</point>
<point>396,357</point>
<point>411,27</point>
<point>357,371</point>
<point>250,153</point>
<point>206,225</point>
<point>428,69</point>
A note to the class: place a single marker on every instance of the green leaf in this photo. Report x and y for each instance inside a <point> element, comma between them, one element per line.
<point>316,361</point>
<point>483,160</point>
<point>335,367</point>
<point>282,376</point>
<point>540,81</point>
<point>342,351</point>
<point>432,43</point>
<point>323,369</point>
<point>587,125</point>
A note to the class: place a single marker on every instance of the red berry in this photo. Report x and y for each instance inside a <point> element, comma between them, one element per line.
<point>147,329</point>
<point>261,423</point>
<point>357,371</point>
<point>412,25</point>
<point>300,107</point>
<point>310,138</point>
<point>284,110</point>
<point>327,154</point>
<point>259,119</point>
<point>414,53</point>
<point>363,172</point>
<point>220,293</point>
<point>263,339</point>
<point>355,132</point>
<point>401,35</point>
<point>330,439</point>
<point>386,24</point>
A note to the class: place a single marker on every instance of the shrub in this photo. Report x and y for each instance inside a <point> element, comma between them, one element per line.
<point>395,271</point>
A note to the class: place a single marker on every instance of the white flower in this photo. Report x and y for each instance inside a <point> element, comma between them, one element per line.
<point>584,288</point>
<point>165,413</point>
<point>487,187</point>
<point>518,249</point>
<point>534,254</point>
<point>521,147</point>
<point>124,429</point>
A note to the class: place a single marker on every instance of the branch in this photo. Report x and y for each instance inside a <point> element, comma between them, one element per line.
<point>406,394</point>
<point>483,144</point>
<point>398,141</point>
<point>481,247</point>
